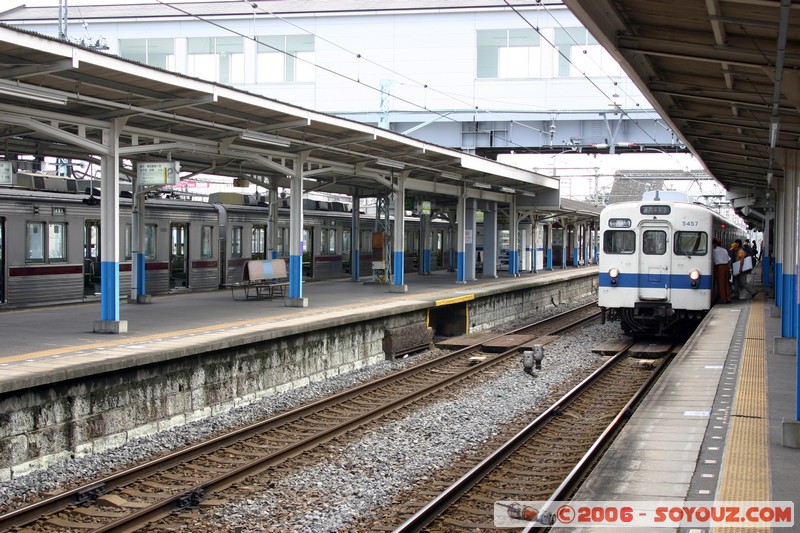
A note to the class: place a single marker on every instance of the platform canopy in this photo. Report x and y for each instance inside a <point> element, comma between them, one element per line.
<point>57,99</point>
<point>724,75</point>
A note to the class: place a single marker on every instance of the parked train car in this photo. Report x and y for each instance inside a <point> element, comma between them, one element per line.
<point>656,265</point>
<point>50,241</point>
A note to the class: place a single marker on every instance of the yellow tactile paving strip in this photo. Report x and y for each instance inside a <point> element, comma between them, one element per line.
<point>745,470</point>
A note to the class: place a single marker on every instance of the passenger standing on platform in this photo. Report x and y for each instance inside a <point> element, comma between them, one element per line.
<point>722,270</point>
<point>732,251</point>
<point>741,282</point>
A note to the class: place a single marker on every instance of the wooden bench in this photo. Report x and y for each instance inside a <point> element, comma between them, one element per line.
<point>262,279</point>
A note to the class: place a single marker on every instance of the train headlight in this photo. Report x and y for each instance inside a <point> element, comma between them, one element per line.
<point>694,275</point>
<point>613,273</point>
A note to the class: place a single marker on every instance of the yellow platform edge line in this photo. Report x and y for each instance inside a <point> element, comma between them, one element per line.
<point>745,474</point>
<point>455,300</point>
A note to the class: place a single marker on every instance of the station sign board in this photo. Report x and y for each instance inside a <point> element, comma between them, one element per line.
<point>425,207</point>
<point>161,173</point>
<point>6,173</point>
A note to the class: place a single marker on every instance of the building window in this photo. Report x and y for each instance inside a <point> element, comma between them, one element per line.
<point>45,242</point>
<point>285,58</point>
<point>150,231</point>
<point>154,52</point>
<point>509,54</point>
<point>581,54</point>
<point>236,241</point>
<point>219,59</point>
<point>206,242</point>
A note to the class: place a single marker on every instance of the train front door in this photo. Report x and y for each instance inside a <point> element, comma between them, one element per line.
<point>178,255</point>
<point>654,261</point>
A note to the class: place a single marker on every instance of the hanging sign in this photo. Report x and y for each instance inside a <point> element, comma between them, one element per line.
<point>425,207</point>
<point>165,173</point>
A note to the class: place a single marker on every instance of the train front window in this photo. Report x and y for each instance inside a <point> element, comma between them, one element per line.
<point>691,243</point>
<point>654,242</point>
<point>619,242</point>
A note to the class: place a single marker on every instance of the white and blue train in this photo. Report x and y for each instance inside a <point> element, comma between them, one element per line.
<point>656,263</point>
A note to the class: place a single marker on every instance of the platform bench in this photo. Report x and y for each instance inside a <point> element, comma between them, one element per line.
<point>262,279</point>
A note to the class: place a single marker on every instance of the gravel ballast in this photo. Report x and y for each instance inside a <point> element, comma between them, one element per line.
<point>353,475</point>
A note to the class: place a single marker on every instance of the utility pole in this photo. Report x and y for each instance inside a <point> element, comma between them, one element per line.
<point>62,19</point>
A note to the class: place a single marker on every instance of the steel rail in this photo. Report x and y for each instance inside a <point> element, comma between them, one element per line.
<point>571,482</point>
<point>97,488</point>
<point>451,494</point>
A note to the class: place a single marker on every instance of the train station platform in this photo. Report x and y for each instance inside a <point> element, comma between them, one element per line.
<point>711,428</point>
<point>53,343</point>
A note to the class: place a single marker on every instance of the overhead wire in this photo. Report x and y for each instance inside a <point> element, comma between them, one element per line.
<point>442,115</point>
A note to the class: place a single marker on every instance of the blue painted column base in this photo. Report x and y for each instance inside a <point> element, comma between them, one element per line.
<point>460,270</point>
<point>549,259</point>
<point>140,275</point>
<point>575,259</point>
<point>296,276</point>
<point>513,262</point>
<point>399,268</point>
<point>355,265</point>
<point>426,261</point>
<point>109,300</point>
<point>765,266</point>
<point>788,309</point>
<point>779,284</point>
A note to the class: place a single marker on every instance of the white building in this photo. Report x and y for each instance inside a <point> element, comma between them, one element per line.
<point>476,75</point>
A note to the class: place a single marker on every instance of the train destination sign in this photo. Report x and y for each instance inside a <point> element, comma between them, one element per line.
<point>163,173</point>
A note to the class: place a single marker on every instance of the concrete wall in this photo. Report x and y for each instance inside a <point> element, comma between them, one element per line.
<point>504,309</point>
<point>45,424</point>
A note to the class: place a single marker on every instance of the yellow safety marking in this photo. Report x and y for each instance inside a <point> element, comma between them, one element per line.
<point>455,300</point>
<point>745,472</point>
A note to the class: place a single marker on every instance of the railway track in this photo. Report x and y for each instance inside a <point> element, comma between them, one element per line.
<point>545,460</point>
<point>129,500</point>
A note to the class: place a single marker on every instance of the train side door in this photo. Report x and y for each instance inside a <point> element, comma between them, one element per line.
<point>91,256</point>
<point>178,255</point>
<point>2,260</point>
<point>654,261</point>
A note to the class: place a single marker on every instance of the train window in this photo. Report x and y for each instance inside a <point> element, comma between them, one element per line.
<point>346,242</point>
<point>323,241</point>
<point>691,243</point>
<point>366,241</point>
<point>654,242</point>
<point>45,243</point>
<point>127,243</point>
<point>619,242</point>
<point>281,244</point>
<point>150,231</point>
<point>327,241</point>
<point>258,243</point>
<point>34,242</point>
<point>206,242</point>
<point>236,241</point>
